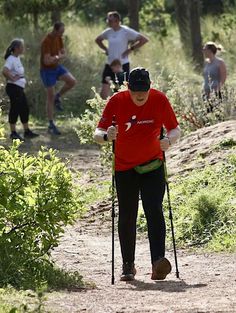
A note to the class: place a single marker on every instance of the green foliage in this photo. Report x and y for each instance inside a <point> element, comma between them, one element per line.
<point>230,142</point>
<point>90,118</point>
<point>36,202</point>
<point>191,109</point>
<point>12,8</point>
<point>204,207</point>
<point>24,301</point>
<point>95,10</point>
<point>153,18</point>
<point>87,123</point>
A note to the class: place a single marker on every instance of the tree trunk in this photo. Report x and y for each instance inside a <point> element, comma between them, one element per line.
<point>36,21</point>
<point>182,17</point>
<point>133,13</point>
<point>196,38</point>
<point>55,16</point>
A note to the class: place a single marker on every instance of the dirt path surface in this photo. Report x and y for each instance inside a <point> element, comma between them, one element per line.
<point>207,282</point>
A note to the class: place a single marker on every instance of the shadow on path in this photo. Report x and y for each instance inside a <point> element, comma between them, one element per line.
<point>165,286</point>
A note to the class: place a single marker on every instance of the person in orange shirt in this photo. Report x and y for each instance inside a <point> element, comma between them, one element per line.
<point>52,52</point>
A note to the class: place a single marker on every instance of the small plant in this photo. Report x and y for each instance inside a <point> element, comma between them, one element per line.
<point>227,143</point>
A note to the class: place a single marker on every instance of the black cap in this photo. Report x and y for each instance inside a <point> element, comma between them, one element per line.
<point>139,79</point>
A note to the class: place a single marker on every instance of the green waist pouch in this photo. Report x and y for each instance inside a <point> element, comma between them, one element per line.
<point>148,167</point>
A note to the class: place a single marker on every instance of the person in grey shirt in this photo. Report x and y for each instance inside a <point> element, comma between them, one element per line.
<point>118,37</point>
<point>214,71</point>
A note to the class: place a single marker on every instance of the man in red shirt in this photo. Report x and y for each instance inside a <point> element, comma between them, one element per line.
<point>140,113</point>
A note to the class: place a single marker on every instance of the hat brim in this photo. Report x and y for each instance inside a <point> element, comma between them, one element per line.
<point>139,87</point>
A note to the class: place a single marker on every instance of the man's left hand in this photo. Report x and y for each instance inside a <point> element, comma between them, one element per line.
<point>165,144</point>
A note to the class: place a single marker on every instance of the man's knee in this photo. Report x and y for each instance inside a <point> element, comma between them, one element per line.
<point>105,91</point>
<point>72,82</point>
<point>69,80</point>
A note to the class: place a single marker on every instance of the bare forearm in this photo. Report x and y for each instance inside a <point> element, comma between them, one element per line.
<point>139,43</point>
<point>7,74</point>
<point>101,45</point>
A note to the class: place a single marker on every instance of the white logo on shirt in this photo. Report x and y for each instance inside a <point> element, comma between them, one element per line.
<point>134,121</point>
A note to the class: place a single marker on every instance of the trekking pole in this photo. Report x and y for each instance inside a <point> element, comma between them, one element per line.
<point>169,207</point>
<point>113,207</point>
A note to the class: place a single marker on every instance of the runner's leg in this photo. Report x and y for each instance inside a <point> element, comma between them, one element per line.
<point>152,193</point>
<point>127,187</point>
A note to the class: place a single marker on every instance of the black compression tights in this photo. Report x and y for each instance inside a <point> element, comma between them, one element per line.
<point>151,186</point>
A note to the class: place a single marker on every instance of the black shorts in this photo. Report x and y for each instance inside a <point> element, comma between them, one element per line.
<point>108,72</point>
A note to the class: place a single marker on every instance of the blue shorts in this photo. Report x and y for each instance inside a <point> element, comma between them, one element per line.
<point>50,76</point>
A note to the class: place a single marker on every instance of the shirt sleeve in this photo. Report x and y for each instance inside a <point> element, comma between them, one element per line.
<point>104,34</point>
<point>9,64</point>
<point>131,34</point>
<point>107,115</point>
<point>169,118</point>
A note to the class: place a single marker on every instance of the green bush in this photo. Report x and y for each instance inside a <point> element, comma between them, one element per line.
<point>36,202</point>
<point>86,124</point>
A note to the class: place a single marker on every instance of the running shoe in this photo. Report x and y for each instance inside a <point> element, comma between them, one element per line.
<point>52,129</point>
<point>29,134</point>
<point>160,269</point>
<point>14,135</point>
<point>128,272</point>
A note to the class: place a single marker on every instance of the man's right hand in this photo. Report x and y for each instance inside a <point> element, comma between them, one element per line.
<point>112,132</point>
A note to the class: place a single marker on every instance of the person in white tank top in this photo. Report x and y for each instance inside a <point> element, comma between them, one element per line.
<point>118,37</point>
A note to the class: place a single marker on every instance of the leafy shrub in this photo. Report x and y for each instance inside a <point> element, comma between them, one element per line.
<point>36,202</point>
<point>86,124</point>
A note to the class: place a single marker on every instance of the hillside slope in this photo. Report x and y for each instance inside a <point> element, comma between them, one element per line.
<point>208,145</point>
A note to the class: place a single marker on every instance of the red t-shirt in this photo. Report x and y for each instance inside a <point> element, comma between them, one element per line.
<point>139,127</point>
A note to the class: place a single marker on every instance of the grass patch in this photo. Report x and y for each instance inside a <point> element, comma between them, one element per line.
<point>227,143</point>
<point>204,208</point>
<point>90,193</point>
<point>13,301</point>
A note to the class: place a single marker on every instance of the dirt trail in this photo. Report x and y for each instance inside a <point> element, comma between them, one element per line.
<point>207,282</point>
